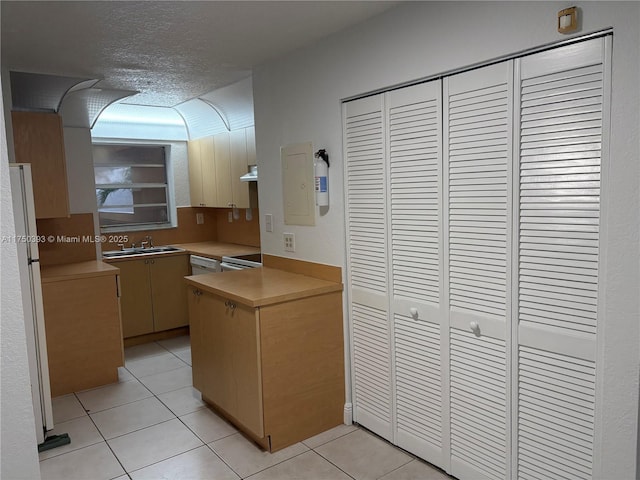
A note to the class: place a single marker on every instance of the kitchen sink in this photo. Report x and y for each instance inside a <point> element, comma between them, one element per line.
<point>132,252</point>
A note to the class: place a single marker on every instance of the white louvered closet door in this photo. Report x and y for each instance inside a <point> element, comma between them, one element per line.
<point>414,145</point>
<point>478,168</point>
<point>366,168</point>
<point>561,112</point>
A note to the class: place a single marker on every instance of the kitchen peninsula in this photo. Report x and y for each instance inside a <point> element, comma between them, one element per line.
<point>267,351</point>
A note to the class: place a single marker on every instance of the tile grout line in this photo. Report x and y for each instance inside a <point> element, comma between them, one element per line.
<point>106,442</point>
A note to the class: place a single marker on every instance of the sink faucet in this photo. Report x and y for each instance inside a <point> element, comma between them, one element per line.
<point>121,245</point>
<point>149,240</point>
<point>143,244</point>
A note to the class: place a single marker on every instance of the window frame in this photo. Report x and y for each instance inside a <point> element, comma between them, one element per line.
<point>169,186</point>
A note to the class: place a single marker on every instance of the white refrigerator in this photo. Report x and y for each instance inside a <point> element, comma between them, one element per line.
<point>27,242</point>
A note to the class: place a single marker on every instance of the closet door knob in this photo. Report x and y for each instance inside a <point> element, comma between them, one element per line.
<point>475,328</point>
<point>414,312</point>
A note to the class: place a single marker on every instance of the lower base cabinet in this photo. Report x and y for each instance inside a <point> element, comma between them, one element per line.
<point>84,335</point>
<point>154,297</point>
<point>275,371</point>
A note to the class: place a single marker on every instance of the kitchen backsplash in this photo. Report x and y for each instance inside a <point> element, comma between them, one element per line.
<point>71,236</point>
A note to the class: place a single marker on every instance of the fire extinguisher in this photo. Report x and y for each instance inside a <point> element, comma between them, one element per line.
<point>322,178</point>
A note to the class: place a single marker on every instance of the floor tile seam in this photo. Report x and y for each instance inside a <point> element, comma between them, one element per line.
<point>277,463</point>
<point>301,453</point>
<point>140,429</point>
<point>127,403</point>
<point>120,405</point>
<point>331,440</point>
<point>152,392</point>
<point>397,468</point>
<point>413,457</point>
<point>142,357</point>
<point>205,443</point>
<point>181,360</point>
<point>105,442</point>
<point>79,448</point>
<point>73,449</point>
<point>168,407</point>
<point>208,445</point>
<point>159,373</point>
<point>168,391</point>
<point>100,386</point>
<point>128,472</point>
<point>337,466</point>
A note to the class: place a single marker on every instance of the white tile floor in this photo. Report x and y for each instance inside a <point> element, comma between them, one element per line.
<point>152,424</point>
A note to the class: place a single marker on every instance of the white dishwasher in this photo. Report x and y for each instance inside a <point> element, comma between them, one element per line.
<point>201,265</point>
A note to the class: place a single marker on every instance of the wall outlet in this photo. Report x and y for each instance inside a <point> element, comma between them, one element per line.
<point>199,218</point>
<point>289,242</point>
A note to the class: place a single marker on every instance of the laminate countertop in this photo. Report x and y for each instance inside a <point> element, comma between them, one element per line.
<point>217,250</point>
<point>73,271</point>
<point>258,287</point>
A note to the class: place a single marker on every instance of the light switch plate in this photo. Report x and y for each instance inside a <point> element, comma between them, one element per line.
<point>199,218</point>
<point>268,222</point>
<point>289,242</point>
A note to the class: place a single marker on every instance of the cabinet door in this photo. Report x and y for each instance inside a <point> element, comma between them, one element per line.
<point>209,175</point>
<point>478,142</point>
<point>246,366</point>
<point>137,314</point>
<point>238,158</point>
<point>195,173</point>
<point>169,292</point>
<point>84,340</point>
<point>251,146</point>
<point>197,311</point>
<point>224,197</point>
<point>365,174</point>
<point>38,139</point>
<point>217,327</point>
<point>415,156</point>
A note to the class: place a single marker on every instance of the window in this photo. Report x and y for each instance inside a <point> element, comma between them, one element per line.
<point>131,186</point>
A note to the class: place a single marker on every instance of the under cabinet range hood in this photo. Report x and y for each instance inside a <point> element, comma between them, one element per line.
<point>252,176</point>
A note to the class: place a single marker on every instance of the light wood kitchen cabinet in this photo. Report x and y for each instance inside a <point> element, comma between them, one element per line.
<point>216,164</point>
<point>202,173</point>
<point>153,295</point>
<point>82,321</point>
<point>39,140</point>
<point>227,345</point>
<point>238,153</point>
<point>276,371</point>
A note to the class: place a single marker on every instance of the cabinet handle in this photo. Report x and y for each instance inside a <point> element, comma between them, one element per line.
<point>153,261</point>
<point>226,303</point>
<point>232,305</point>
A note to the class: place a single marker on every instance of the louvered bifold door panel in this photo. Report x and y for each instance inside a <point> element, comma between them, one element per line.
<point>561,96</point>
<point>478,141</point>
<point>365,173</point>
<point>414,120</point>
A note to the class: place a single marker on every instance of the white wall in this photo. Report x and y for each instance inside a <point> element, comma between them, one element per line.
<point>18,444</point>
<point>298,98</point>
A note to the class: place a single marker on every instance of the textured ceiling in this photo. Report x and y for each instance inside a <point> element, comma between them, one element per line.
<point>168,51</point>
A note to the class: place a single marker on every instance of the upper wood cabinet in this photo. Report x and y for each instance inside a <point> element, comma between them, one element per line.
<point>39,140</point>
<point>202,173</point>
<point>216,164</point>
